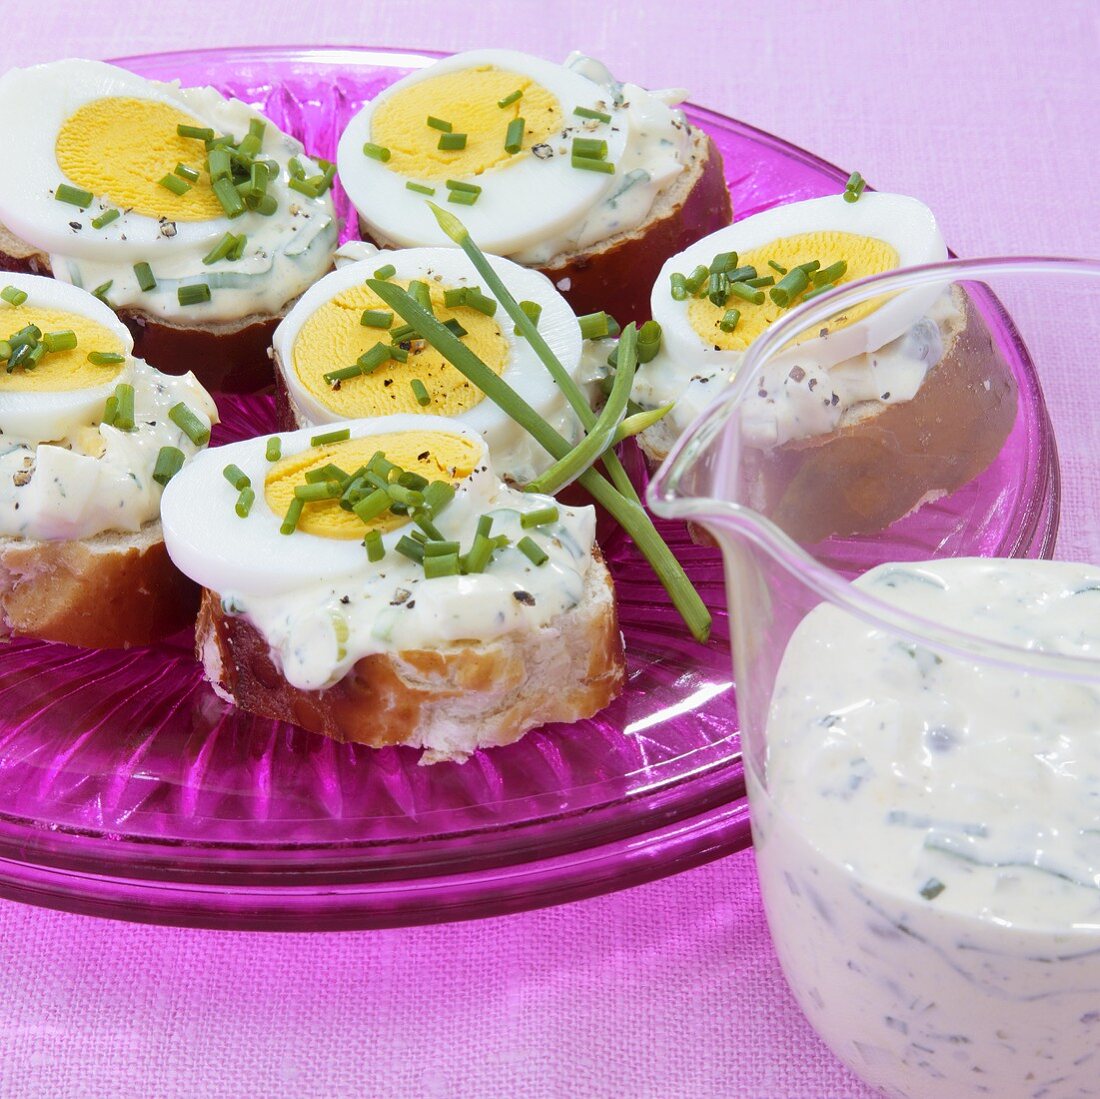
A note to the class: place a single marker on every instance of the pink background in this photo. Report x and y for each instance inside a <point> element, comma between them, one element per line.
<point>987,111</point>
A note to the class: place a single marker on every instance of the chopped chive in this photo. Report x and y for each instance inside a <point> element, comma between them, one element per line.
<point>189,423</point>
<point>485,525</point>
<point>445,565</point>
<point>124,415</point>
<point>697,279</point>
<point>649,341</point>
<point>65,340</point>
<point>401,332</point>
<point>539,517</point>
<point>318,491</point>
<point>420,392</point>
<point>200,133</point>
<point>30,334</point>
<point>933,887</point>
<point>410,497</point>
<point>819,289</point>
<point>747,293</point>
<point>5,350</point>
<point>438,495</point>
<point>593,147</point>
<point>723,263</point>
<point>455,327</point>
<point>419,188</point>
<point>729,320</point>
<point>376,152</point>
<point>376,318</point>
<point>169,463</point>
<point>175,184</point>
<point>257,184</point>
<point>679,287</point>
<point>399,354</point>
<point>421,294</point>
<point>221,250</point>
<point>475,299</point>
<point>386,272</point>
<point>329,472</point>
<point>411,479</point>
<point>591,164</point>
<point>480,554</point>
<point>226,194</point>
<point>510,98</point>
<point>810,267</point>
<point>458,185</point>
<point>452,299</point>
<point>245,501</point>
<point>294,168</point>
<point>105,218</point>
<point>789,287</point>
<point>410,548</point>
<point>237,250</point>
<point>75,196</point>
<point>293,514</point>
<point>13,295</point>
<point>764,280</point>
<point>193,294</point>
<point>778,267</point>
<point>854,187</point>
<point>742,274</point>
<point>533,311</point>
<point>236,476</point>
<point>144,274</point>
<point>429,531</point>
<point>110,406</point>
<point>219,165</point>
<point>345,373</point>
<point>274,449</point>
<point>373,505</point>
<point>439,547</point>
<point>101,291</point>
<point>831,273</point>
<point>452,142</point>
<point>185,171</point>
<point>257,127</point>
<point>462,198</point>
<point>247,147</point>
<point>439,124</point>
<point>331,437</point>
<point>34,356</point>
<point>594,326</point>
<point>587,112</point>
<point>373,543</point>
<point>513,137</point>
<point>532,551</point>
<point>718,289</point>
<point>105,358</point>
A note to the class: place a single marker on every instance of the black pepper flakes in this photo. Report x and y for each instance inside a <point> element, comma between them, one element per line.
<point>524,597</point>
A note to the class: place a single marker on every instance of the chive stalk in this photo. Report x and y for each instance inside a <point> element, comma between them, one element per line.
<point>640,421</point>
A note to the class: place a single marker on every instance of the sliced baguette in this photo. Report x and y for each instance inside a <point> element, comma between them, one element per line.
<point>226,356</point>
<point>617,275</point>
<point>113,591</point>
<point>884,461</point>
<point>449,701</point>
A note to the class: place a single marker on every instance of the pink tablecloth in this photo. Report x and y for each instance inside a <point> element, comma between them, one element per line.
<point>988,112</point>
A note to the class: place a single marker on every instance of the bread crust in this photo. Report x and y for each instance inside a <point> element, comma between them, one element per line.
<point>226,356</point>
<point>114,591</point>
<point>617,275</point>
<point>449,701</point>
<point>874,470</point>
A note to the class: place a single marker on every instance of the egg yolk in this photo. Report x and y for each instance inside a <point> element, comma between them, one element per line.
<point>120,149</point>
<point>864,256</point>
<point>435,455</point>
<point>59,371</point>
<point>333,337</point>
<point>468,101</point>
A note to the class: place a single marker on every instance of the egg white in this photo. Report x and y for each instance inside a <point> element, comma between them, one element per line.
<point>210,543</point>
<point>35,416</point>
<point>520,203</point>
<point>903,222</point>
<point>523,371</point>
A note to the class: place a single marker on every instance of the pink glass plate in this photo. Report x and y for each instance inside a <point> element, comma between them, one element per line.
<point>128,789</point>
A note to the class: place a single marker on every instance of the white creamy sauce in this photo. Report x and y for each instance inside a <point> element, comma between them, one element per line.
<point>286,252</point>
<point>929,843</point>
<point>99,478</point>
<point>658,151</point>
<point>799,397</point>
<point>318,631</point>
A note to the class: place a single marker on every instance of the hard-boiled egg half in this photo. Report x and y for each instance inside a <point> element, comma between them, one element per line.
<point>715,298</point>
<point>522,148</point>
<point>339,323</point>
<point>89,435</point>
<point>377,535</point>
<point>173,200</point>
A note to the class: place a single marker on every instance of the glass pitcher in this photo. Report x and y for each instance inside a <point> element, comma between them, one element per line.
<point>921,728</point>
